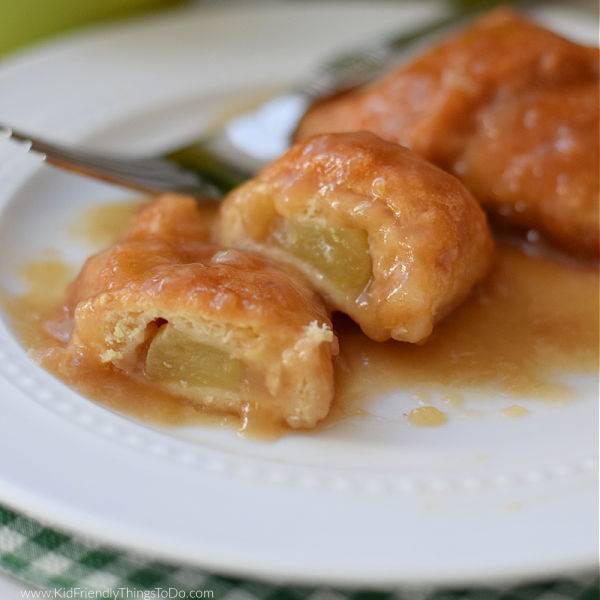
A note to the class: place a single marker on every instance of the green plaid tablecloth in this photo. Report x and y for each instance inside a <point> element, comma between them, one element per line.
<point>71,567</point>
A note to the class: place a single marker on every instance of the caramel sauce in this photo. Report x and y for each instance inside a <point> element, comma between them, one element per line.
<point>533,320</point>
<point>46,281</point>
<point>102,225</point>
<point>515,412</point>
<point>427,416</point>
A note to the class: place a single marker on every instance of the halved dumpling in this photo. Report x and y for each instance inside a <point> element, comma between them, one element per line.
<point>384,236</point>
<point>227,329</point>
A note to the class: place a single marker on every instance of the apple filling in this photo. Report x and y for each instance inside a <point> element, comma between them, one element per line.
<point>340,254</point>
<point>175,357</point>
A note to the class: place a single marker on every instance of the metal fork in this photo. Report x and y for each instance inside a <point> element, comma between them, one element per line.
<point>212,166</point>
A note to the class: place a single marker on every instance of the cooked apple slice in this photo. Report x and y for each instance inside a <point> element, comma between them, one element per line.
<point>340,254</point>
<point>175,357</point>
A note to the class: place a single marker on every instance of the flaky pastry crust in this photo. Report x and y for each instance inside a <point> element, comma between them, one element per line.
<point>258,313</point>
<point>428,240</point>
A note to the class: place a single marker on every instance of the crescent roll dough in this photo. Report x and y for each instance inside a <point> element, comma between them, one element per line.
<point>384,236</point>
<point>226,328</point>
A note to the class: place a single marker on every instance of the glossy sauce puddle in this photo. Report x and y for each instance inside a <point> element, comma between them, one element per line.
<point>533,320</point>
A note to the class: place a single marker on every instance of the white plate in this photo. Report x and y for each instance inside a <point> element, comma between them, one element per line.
<point>368,502</point>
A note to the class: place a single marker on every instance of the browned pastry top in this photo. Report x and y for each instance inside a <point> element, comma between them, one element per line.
<point>502,93</point>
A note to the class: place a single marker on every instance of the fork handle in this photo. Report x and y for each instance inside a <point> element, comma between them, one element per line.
<point>147,175</point>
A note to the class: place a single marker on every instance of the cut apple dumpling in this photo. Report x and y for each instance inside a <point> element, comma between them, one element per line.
<point>227,329</point>
<point>387,238</point>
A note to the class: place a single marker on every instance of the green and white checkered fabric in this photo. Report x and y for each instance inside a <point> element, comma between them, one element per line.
<point>47,559</point>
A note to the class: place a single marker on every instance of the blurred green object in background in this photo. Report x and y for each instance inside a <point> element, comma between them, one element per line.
<point>25,21</point>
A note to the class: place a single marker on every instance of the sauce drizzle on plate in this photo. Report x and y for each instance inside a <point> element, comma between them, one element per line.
<point>530,324</point>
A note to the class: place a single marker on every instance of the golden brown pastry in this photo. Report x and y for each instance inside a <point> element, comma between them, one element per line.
<point>541,153</point>
<point>508,107</point>
<point>384,236</point>
<point>228,329</point>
